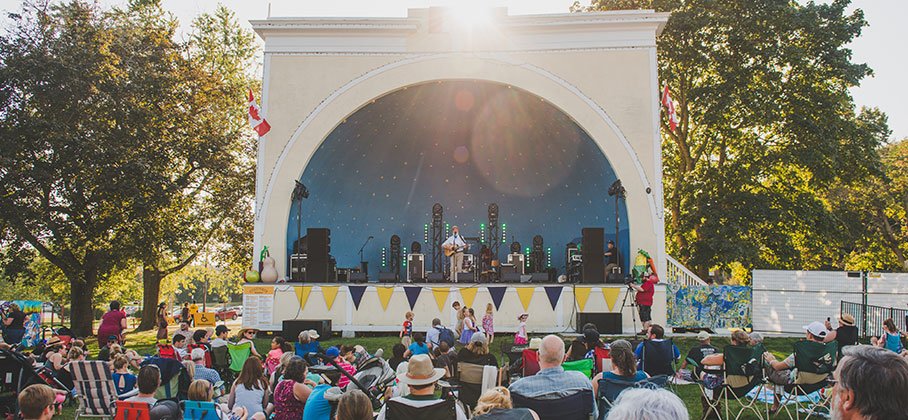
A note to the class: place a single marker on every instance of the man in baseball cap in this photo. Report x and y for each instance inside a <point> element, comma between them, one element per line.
<point>697,353</point>
<point>220,336</point>
<point>783,372</point>
<point>421,378</point>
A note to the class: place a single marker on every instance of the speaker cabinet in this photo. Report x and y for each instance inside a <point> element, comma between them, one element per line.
<point>593,255</point>
<point>358,277</point>
<point>387,277</point>
<point>605,322</point>
<point>435,278</point>
<point>291,328</point>
<point>416,267</point>
<point>318,258</point>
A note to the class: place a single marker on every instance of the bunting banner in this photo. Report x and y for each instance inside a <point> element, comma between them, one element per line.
<point>384,296</point>
<point>468,294</point>
<point>441,297</point>
<point>611,296</point>
<point>526,296</point>
<point>302,295</point>
<point>497,293</point>
<point>412,294</point>
<point>554,294</point>
<point>329,293</point>
<point>356,292</point>
<point>581,294</point>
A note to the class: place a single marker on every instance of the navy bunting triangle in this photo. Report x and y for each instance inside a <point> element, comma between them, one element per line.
<point>497,293</point>
<point>356,292</point>
<point>412,294</point>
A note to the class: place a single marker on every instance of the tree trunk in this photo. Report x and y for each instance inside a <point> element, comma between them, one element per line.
<point>151,280</point>
<point>82,308</point>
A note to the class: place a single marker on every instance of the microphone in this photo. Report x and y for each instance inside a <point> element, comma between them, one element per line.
<point>371,237</point>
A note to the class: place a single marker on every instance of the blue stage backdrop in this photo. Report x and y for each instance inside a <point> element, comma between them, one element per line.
<point>464,144</point>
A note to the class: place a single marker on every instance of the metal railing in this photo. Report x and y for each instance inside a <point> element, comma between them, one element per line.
<point>869,318</point>
<point>677,273</point>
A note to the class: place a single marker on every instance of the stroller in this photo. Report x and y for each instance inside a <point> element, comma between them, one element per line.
<point>18,372</point>
<point>373,378</point>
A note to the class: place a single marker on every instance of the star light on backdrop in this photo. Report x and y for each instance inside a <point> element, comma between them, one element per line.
<point>464,144</point>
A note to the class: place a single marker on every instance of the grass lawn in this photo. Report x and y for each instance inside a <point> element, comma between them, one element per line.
<point>144,343</point>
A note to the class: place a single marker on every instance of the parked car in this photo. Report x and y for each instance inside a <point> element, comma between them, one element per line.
<point>225,314</point>
<point>239,310</point>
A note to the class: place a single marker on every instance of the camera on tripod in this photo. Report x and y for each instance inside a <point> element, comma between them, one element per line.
<point>628,280</point>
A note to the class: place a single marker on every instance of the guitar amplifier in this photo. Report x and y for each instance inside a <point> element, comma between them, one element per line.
<point>298,267</point>
<point>416,267</point>
<point>518,261</point>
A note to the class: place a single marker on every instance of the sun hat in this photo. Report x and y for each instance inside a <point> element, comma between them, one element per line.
<point>846,319</point>
<point>817,329</point>
<point>53,342</point>
<point>313,335</point>
<point>522,314</point>
<point>479,338</point>
<point>535,342</point>
<point>420,371</point>
<point>332,352</point>
<point>702,336</point>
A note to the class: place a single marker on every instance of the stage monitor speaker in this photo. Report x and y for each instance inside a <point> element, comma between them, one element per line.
<point>605,322</point>
<point>510,277</point>
<point>593,255</point>
<point>318,243</point>
<point>387,277</point>
<point>540,278</point>
<point>416,267</point>
<point>435,277</point>
<point>358,277</point>
<point>291,328</point>
<point>615,278</point>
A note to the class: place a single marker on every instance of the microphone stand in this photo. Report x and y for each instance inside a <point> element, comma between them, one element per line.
<point>361,262</point>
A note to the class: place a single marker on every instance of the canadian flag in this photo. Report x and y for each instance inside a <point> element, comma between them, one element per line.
<point>258,123</point>
<point>673,120</point>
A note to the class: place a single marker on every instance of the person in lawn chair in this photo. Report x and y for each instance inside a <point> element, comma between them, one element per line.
<point>421,403</point>
<point>784,372</point>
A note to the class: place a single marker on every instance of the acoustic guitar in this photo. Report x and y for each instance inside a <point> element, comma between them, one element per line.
<point>453,249</point>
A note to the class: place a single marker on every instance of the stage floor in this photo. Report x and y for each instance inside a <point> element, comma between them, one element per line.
<point>380,307</point>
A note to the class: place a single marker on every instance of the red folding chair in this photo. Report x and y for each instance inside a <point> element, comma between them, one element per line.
<point>127,410</point>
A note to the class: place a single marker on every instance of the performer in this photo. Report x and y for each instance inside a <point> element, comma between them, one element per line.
<point>454,247</point>
<point>611,258</point>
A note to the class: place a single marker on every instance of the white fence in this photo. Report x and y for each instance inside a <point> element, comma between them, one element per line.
<point>785,301</point>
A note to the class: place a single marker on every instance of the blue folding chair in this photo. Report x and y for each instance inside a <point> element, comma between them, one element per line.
<point>578,406</point>
<point>200,410</point>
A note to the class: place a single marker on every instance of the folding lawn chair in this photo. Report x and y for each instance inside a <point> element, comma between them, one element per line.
<point>133,410</point>
<point>815,363</point>
<point>200,410</point>
<point>530,362</point>
<point>658,357</point>
<point>220,360</point>
<point>172,372</point>
<point>741,374</point>
<point>95,387</point>
<point>238,355</point>
<point>578,406</point>
<point>611,388</point>
<point>584,366</point>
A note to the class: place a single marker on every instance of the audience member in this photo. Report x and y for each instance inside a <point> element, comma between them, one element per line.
<point>552,382</point>
<point>291,393</point>
<point>307,343</point>
<point>577,350</point>
<point>698,352</point>
<point>397,355</point>
<point>656,333</point>
<point>488,323</point>
<point>891,338</point>
<point>184,330</point>
<point>418,346</point>
<point>36,402</point>
<point>124,380</point>
<point>179,346</point>
<point>738,338</point>
<point>278,347</point>
<point>846,334</point>
<point>870,383</point>
<point>189,365</point>
<point>113,323</point>
<point>250,390</point>
<point>202,372</point>
<point>783,373</point>
<point>221,332</point>
<point>406,330</point>
<point>421,378</point>
<point>477,351</point>
<point>14,325</point>
<point>432,333</point>
<point>354,405</point>
<point>624,366</point>
<point>648,404</point>
<point>200,390</point>
<point>343,356</point>
<point>104,352</point>
<point>161,321</point>
<point>149,380</point>
<point>317,406</point>
<point>444,359</point>
<point>246,336</point>
<point>755,339</point>
<point>495,404</point>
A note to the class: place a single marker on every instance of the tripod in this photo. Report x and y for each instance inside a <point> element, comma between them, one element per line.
<point>633,307</point>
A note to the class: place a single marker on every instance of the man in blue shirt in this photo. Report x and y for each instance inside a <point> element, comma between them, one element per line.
<point>654,333</point>
<point>552,382</point>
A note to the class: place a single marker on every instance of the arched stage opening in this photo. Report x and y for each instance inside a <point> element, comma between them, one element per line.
<point>464,144</point>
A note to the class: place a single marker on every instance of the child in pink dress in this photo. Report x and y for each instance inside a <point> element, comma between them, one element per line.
<point>521,338</point>
<point>278,347</point>
<point>488,324</point>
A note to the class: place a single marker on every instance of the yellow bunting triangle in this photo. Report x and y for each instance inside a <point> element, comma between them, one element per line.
<point>302,294</point>
<point>441,296</point>
<point>526,295</point>
<point>611,296</point>
<point>581,294</point>
<point>384,296</point>
<point>468,294</point>
<point>329,293</point>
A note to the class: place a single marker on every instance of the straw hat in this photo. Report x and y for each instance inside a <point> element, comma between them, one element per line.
<point>54,341</point>
<point>313,335</point>
<point>420,371</point>
<point>846,319</point>
<point>522,314</point>
<point>535,342</point>
<point>243,330</point>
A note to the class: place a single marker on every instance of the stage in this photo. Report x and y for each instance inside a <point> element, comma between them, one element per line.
<point>553,308</point>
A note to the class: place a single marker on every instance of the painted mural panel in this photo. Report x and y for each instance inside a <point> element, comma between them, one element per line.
<point>709,306</point>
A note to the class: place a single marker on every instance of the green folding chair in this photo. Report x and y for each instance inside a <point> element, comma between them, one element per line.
<point>815,363</point>
<point>584,366</point>
<point>742,373</point>
<point>238,355</point>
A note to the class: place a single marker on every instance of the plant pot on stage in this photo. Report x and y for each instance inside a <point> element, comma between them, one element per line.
<point>269,273</point>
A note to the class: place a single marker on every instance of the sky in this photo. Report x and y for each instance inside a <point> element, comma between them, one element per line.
<point>878,46</point>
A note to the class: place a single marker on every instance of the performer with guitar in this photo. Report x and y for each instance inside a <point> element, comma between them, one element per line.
<point>454,247</point>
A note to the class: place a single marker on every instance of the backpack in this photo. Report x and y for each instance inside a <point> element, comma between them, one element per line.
<point>167,351</point>
<point>445,335</point>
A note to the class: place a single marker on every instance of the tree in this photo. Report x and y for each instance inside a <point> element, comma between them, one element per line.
<point>767,129</point>
<point>213,204</point>
<point>92,135</point>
